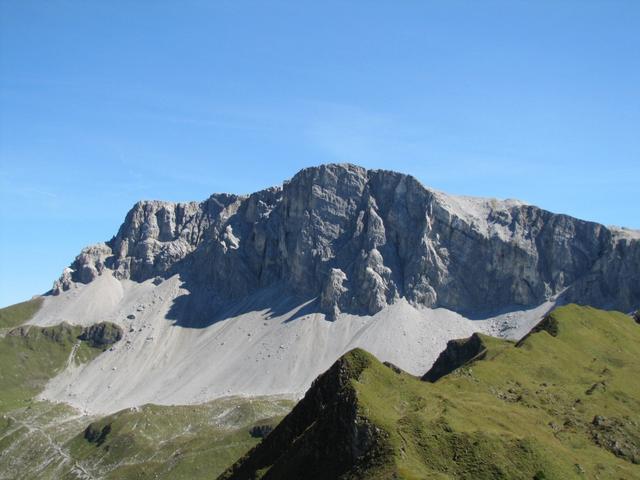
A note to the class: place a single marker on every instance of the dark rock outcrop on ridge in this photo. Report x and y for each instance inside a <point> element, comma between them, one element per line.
<point>101,335</point>
<point>457,353</point>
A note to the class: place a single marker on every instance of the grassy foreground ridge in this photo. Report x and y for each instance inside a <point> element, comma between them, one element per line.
<point>563,403</point>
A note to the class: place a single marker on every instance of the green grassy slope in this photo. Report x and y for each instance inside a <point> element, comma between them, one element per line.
<point>50,442</point>
<point>556,406</point>
<point>19,313</point>
<point>177,442</point>
<point>31,355</point>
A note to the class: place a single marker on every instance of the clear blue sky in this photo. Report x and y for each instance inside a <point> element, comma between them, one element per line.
<point>106,103</point>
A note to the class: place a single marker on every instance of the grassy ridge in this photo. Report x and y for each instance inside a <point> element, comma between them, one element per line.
<point>19,313</point>
<point>523,411</point>
<point>564,403</point>
<point>320,435</point>
<point>31,355</point>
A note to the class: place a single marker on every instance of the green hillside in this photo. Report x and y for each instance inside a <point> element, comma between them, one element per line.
<point>174,442</point>
<point>19,313</point>
<point>31,355</point>
<point>563,403</point>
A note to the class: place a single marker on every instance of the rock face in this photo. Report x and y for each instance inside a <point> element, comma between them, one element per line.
<point>457,353</point>
<point>86,267</point>
<point>616,436</point>
<point>360,239</point>
<point>101,335</point>
<point>548,324</point>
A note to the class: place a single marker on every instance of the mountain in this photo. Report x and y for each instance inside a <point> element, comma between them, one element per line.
<point>361,239</point>
<point>267,290</point>
<point>170,350</point>
<point>561,403</point>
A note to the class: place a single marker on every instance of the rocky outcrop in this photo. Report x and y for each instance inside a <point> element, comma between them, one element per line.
<point>548,324</point>
<point>457,353</point>
<point>86,267</point>
<point>620,436</point>
<point>332,292</point>
<point>101,335</point>
<point>97,433</point>
<point>360,239</point>
<point>260,431</point>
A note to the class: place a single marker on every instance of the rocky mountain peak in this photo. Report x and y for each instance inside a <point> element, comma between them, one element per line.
<point>358,240</point>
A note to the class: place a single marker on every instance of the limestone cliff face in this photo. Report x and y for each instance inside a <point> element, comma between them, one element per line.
<point>360,239</point>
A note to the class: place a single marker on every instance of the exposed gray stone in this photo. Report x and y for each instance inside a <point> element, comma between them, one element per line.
<point>360,239</point>
<point>86,267</point>
<point>458,353</point>
<point>101,335</point>
<point>332,292</point>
